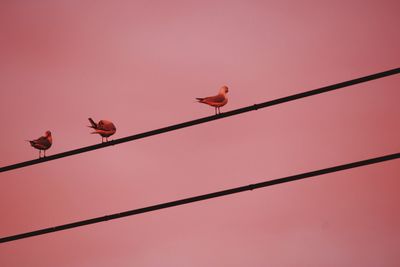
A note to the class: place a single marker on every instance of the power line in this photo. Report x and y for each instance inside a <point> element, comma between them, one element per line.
<point>205,119</point>
<point>201,197</point>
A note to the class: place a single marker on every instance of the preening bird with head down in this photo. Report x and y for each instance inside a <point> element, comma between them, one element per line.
<point>104,128</point>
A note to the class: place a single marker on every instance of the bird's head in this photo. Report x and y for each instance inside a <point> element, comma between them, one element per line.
<point>224,89</point>
<point>48,133</point>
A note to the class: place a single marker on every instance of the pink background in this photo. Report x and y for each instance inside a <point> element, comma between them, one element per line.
<point>141,64</point>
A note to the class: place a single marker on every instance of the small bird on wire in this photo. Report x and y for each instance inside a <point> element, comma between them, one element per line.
<point>104,128</point>
<point>216,101</point>
<point>42,143</point>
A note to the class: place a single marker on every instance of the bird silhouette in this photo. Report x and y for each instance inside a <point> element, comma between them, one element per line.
<point>104,128</point>
<point>216,101</point>
<point>42,143</point>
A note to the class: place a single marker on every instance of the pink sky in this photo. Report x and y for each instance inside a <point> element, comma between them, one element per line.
<point>141,64</point>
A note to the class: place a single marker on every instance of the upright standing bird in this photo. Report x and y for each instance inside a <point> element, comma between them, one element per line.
<point>42,143</point>
<point>104,128</point>
<point>216,101</point>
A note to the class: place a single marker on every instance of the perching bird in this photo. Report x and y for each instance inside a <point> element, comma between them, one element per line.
<point>104,128</point>
<point>42,143</point>
<point>216,101</point>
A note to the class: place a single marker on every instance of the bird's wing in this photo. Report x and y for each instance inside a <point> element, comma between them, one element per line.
<point>94,125</point>
<point>214,99</point>
<point>41,143</point>
<point>106,125</point>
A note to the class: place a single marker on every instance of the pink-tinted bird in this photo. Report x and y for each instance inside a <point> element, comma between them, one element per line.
<point>104,128</point>
<point>216,101</point>
<point>42,143</point>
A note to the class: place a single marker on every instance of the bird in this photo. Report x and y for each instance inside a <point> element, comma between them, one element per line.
<point>104,128</point>
<point>216,101</point>
<point>42,143</point>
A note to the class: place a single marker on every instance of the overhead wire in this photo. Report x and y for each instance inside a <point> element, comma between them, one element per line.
<point>170,128</point>
<point>202,197</point>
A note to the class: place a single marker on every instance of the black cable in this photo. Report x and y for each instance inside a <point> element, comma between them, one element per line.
<point>201,197</point>
<point>203,120</point>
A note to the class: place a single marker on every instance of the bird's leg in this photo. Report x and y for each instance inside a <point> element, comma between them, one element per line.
<point>102,139</point>
<point>40,154</point>
<point>216,111</point>
<point>106,139</point>
<point>44,152</point>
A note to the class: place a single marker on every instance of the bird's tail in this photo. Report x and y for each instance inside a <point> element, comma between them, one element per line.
<point>31,142</point>
<point>199,99</point>
<point>93,124</point>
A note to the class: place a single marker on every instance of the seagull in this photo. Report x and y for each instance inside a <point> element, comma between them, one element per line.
<point>42,143</point>
<point>216,101</point>
<point>104,128</point>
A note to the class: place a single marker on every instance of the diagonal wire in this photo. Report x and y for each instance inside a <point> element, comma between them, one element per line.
<point>204,119</point>
<point>202,197</point>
